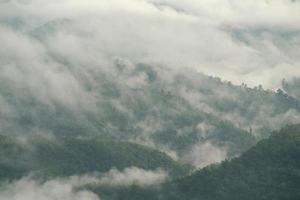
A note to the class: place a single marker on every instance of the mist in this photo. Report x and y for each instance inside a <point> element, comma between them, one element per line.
<point>28,189</point>
<point>255,42</point>
<point>199,81</point>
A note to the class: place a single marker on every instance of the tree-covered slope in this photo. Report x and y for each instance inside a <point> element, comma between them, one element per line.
<point>70,156</point>
<point>270,170</point>
<point>175,110</point>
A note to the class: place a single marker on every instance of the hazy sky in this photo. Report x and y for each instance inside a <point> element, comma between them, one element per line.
<point>252,41</point>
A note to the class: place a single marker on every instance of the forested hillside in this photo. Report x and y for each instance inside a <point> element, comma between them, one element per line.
<point>269,170</point>
<point>149,99</point>
<point>63,157</point>
<point>176,112</point>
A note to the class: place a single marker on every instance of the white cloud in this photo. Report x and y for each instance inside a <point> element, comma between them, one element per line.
<point>71,188</point>
<point>174,33</point>
<point>204,154</point>
<point>27,189</point>
<point>133,176</point>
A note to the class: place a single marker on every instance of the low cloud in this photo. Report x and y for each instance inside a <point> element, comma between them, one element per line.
<point>27,189</point>
<point>133,176</point>
<point>114,177</point>
<point>204,154</point>
<point>256,41</point>
<point>71,188</point>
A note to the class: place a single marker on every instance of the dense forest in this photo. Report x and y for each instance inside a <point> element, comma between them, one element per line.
<point>62,157</point>
<point>269,170</point>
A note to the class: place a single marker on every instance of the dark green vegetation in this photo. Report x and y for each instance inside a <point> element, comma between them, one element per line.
<point>270,170</point>
<point>68,156</point>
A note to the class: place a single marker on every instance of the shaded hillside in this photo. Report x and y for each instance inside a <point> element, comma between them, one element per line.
<point>270,170</point>
<point>69,156</point>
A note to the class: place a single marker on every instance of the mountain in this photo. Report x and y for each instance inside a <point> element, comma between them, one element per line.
<point>64,157</point>
<point>149,100</point>
<point>175,111</point>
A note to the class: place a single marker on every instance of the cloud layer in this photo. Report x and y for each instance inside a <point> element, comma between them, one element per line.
<point>27,189</point>
<point>133,176</point>
<point>71,188</point>
<point>253,41</point>
<point>205,154</point>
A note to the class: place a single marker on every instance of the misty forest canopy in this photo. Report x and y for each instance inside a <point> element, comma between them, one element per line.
<point>137,103</point>
<point>269,170</point>
<point>149,99</point>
